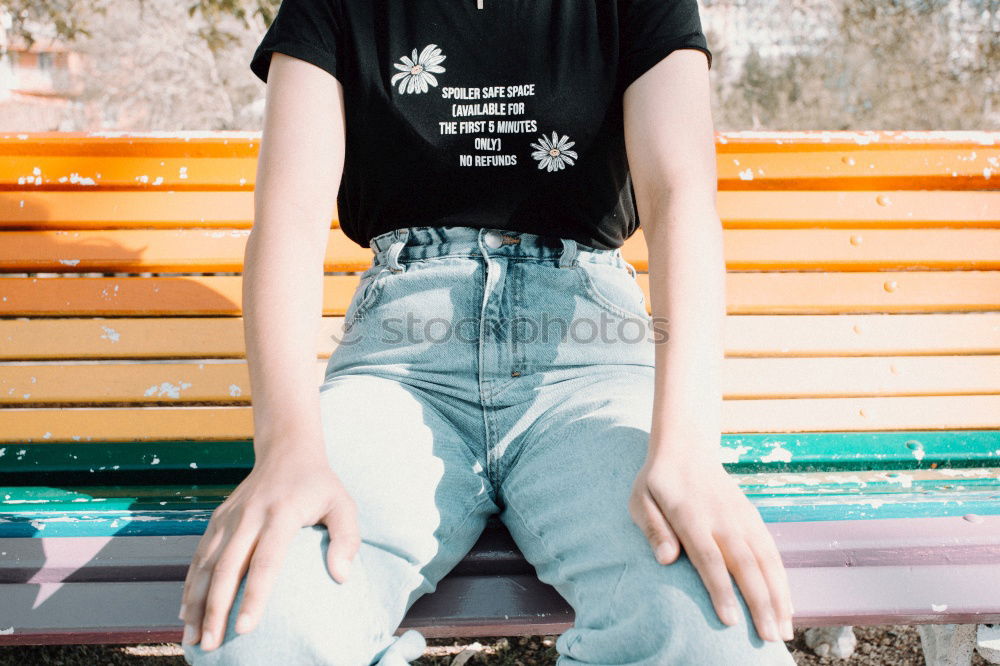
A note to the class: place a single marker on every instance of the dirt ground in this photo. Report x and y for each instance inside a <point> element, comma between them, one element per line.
<point>883,645</point>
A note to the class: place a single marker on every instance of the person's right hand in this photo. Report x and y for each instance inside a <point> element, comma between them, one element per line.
<point>250,533</point>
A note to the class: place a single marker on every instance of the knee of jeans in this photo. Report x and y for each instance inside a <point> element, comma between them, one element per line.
<point>283,640</point>
<point>663,614</point>
<point>307,618</point>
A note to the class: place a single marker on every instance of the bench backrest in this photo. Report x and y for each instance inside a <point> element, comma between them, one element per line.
<point>863,295</point>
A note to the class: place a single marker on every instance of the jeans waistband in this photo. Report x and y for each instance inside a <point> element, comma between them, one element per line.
<point>396,248</point>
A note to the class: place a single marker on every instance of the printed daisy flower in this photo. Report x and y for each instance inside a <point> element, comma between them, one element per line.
<point>554,154</point>
<point>415,73</point>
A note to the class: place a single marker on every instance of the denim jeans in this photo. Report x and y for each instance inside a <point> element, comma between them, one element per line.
<point>488,371</point>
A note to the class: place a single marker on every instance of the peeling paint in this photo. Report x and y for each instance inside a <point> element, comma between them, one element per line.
<point>110,334</point>
<point>167,389</point>
<point>730,454</point>
<point>778,454</point>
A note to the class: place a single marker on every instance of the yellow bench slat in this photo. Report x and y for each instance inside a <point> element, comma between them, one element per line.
<point>227,382</point>
<point>745,335</point>
<point>18,425</point>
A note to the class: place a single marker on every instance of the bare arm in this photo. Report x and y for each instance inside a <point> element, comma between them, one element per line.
<point>291,484</point>
<point>298,174</point>
<point>683,495</point>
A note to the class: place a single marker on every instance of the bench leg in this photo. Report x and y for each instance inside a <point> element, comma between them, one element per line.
<point>831,641</point>
<point>988,642</point>
<point>948,644</point>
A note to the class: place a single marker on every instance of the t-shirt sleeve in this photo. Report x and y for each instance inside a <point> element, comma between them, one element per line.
<point>305,29</point>
<point>651,29</point>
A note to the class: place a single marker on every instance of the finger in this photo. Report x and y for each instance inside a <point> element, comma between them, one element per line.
<point>198,580</point>
<point>654,525</point>
<point>345,538</point>
<point>226,575</point>
<point>771,565</point>
<point>201,553</point>
<point>706,557</point>
<point>268,556</point>
<point>742,561</point>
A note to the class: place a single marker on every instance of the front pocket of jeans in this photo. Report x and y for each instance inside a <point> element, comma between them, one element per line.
<point>364,297</point>
<point>614,289</point>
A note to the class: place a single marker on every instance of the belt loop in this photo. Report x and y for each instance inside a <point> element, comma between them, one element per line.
<point>401,235</point>
<point>569,251</point>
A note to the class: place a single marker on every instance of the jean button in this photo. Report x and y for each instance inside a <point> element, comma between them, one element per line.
<point>492,239</point>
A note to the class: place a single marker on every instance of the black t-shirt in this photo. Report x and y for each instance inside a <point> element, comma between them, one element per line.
<point>509,116</point>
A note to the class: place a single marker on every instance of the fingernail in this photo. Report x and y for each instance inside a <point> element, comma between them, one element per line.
<point>789,630</point>
<point>180,615</point>
<point>206,640</point>
<point>242,622</point>
<point>188,637</point>
<point>732,614</point>
<point>342,564</point>
<point>664,552</point>
<point>772,630</point>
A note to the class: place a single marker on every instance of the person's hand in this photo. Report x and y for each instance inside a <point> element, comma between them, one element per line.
<point>685,500</point>
<point>250,533</point>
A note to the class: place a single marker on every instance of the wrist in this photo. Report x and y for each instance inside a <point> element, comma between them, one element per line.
<point>296,441</point>
<point>697,442</point>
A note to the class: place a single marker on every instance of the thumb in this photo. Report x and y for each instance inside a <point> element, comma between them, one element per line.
<point>345,540</point>
<point>666,546</point>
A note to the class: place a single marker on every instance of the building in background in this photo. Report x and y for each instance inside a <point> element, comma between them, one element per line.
<point>39,82</point>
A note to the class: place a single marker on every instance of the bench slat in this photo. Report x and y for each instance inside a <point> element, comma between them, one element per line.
<point>745,336</point>
<point>523,605</point>
<point>862,454</point>
<point>747,293</point>
<point>128,172</point>
<point>221,250</point>
<point>792,486</point>
<point>54,521</point>
<point>945,561</point>
<point>228,382</point>
<point>781,209</point>
<point>813,160</point>
<point>946,412</point>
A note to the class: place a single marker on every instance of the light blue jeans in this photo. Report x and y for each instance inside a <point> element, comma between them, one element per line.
<point>488,371</point>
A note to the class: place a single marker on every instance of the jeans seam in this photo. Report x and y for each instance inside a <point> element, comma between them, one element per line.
<point>538,538</point>
<point>448,539</point>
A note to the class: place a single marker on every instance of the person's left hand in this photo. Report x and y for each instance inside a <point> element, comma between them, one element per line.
<point>684,500</point>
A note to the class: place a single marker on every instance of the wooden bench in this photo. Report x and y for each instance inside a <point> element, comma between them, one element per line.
<point>862,380</point>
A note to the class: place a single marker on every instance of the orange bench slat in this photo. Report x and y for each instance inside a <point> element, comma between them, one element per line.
<point>228,382</point>
<point>222,250</point>
<point>101,424</point>
<point>745,336</point>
